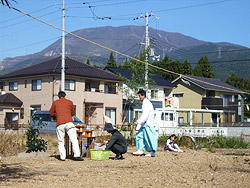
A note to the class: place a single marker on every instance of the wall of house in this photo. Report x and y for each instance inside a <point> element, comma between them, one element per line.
<point>29,97</point>
<point>192,95</point>
<point>108,100</point>
<point>196,118</point>
<point>51,86</point>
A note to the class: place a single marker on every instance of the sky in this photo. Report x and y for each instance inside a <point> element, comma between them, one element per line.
<point>207,20</point>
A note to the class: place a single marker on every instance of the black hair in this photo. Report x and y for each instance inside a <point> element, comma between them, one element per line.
<point>142,92</point>
<point>172,136</point>
<point>61,94</point>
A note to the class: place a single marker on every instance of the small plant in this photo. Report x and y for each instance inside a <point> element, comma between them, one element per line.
<point>33,143</point>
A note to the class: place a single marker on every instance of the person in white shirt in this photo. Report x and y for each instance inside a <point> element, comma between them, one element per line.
<point>171,146</point>
<point>146,137</point>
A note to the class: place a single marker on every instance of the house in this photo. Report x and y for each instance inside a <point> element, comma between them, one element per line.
<point>10,111</point>
<point>88,87</point>
<point>210,101</point>
<point>158,91</point>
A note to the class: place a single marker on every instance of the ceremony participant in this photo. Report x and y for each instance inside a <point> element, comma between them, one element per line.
<point>117,144</point>
<point>146,137</point>
<point>171,146</point>
<point>62,110</point>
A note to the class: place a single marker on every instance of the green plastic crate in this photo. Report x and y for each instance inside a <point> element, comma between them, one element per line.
<point>99,154</point>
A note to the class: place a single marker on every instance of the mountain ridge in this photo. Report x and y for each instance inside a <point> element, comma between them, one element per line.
<point>125,39</point>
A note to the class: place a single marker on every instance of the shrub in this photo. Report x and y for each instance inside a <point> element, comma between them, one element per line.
<point>33,143</point>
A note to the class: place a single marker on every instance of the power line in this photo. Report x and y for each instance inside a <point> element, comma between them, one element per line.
<point>192,6</point>
<point>126,2</point>
<point>109,49</point>
<point>30,44</point>
<point>27,20</point>
<point>27,28</point>
<point>212,52</point>
<point>24,15</point>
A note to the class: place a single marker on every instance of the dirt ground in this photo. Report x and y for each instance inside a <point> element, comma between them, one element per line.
<point>189,169</point>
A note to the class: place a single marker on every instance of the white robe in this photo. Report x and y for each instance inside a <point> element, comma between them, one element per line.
<point>147,116</point>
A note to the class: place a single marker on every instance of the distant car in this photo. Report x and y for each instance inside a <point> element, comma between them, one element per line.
<point>49,122</point>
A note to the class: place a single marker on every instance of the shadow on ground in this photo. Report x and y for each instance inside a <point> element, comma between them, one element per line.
<point>15,171</point>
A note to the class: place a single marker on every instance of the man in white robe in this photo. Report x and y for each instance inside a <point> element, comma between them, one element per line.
<point>146,137</point>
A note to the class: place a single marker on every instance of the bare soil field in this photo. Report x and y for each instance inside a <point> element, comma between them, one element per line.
<point>189,169</point>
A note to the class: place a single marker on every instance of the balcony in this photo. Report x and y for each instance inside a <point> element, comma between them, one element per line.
<point>212,103</point>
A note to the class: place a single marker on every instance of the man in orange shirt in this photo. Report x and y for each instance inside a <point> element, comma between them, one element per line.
<point>62,110</point>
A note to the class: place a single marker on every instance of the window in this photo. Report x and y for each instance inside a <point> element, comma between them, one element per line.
<point>2,86</point>
<point>110,88</point>
<point>167,116</point>
<point>13,86</point>
<point>178,95</point>
<point>87,86</point>
<point>25,84</point>
<point>70,85</point>
<point>12,117</point>
<point>111,113</point>
<point>154,94</point>
<point>33,108</point>
<point>210,93</point>
<point>137,115</point>
<point>36,85</point>
<point>226,99</point>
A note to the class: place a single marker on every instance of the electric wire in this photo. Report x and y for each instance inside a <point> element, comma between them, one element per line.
<point>192,6</point>
<point>28,20</point>
<point>30,44</point>
<point>109,49</point>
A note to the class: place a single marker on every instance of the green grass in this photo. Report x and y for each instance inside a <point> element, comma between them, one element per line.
<point>210,143</point>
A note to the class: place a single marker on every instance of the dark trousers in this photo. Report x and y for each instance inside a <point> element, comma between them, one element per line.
<point>117,149</point>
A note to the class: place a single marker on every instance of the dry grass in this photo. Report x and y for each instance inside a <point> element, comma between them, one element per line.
<point>12,142</point>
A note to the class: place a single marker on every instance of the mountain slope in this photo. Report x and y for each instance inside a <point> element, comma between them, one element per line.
<point>127,39</point>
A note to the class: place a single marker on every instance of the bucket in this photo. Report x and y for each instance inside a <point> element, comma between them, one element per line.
<point>99,154</point>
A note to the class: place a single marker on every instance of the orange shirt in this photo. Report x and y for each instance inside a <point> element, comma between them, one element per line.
<point>63,110</point>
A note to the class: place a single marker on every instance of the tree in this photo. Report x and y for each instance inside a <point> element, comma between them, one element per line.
<point>88,62</point>
<point>111,62</point>
<point>164,63</point>
<point>197,71</point>
<point>206,67</point>
<point>7,2</point>
<point>187,68</point>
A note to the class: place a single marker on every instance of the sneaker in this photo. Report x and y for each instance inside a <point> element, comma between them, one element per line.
<point>78,159</point>
<point>139,152</point>
<point>151,154</point>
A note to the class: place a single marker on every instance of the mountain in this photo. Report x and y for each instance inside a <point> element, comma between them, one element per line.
<point>127,40</point>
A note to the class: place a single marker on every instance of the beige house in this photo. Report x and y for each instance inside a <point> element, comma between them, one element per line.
<point>210,101</point>
<point>93,91</point>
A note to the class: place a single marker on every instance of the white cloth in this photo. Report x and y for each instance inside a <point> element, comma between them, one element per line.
<point>147,116</point>
<point>175,148</point>
<point>107,119</point>
<point>70,129</point>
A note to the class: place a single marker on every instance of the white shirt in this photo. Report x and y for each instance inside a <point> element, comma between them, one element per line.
<point>147,116</point>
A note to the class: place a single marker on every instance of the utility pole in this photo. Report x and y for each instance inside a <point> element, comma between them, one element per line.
<point>63,49</point>
<point>147,43</point>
